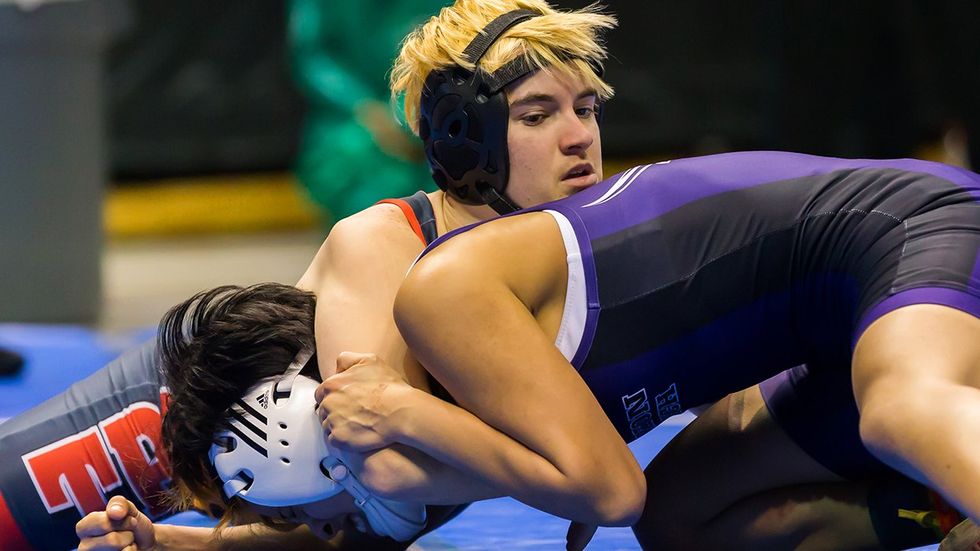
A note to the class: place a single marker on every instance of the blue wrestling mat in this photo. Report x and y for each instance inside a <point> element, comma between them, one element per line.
<point>57,356</point>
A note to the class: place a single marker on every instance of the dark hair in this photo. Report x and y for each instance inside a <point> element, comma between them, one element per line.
<point>214,347</point>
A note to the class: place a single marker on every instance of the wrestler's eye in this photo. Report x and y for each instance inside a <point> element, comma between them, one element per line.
<point>533,119</point>
<point>587,111</point>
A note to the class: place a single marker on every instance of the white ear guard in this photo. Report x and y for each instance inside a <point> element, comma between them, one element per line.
<point>268,456</point>
<point>275,455</point>
<point>395,519</point>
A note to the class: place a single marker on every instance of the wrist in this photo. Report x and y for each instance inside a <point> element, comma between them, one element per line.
<point>401,422</point>
<point>167,537</point>
<point>182,538</point>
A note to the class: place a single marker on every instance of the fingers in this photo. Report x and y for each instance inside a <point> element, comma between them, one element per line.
<point>338,440</point>
<point>342,438</point>
<point>120,527</point>
<point>323,389</point>
<point>579,535</point>
<point>347,360</point>
<point>119,515</point>
<point>98,524</point>
<point>114,541</point>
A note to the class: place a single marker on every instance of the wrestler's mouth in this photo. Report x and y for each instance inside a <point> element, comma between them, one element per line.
<point>580,175</point>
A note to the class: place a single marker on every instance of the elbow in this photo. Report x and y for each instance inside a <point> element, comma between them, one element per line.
<point>625,508</point>
<point>621,510</point>
<point>378,476</point>
<point>388,475</point>
<point>619,501</point>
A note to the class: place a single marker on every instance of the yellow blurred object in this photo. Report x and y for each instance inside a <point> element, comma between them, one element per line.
<point>925,519</point>
<point>952,148</point>
<point>254,202</point>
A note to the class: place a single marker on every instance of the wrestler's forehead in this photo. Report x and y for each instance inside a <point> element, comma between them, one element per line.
<point>549,83</point>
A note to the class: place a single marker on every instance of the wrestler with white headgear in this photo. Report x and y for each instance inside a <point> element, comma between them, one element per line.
<point>274,455</point>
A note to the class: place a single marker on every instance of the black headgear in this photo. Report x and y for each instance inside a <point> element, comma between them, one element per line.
<point>463,121</point>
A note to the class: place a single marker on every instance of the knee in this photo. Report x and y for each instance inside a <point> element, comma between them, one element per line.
<point>669,519</point>
<point>890,417</point>
<point>875,427</point>
<point>665,534</point>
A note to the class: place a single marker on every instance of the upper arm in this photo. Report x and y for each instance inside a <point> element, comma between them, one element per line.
<point>468,311</point>
<point>355,276</point>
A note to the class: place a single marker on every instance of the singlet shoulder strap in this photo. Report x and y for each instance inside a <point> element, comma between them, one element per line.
<point>422,219</point>
<point>418,211</point>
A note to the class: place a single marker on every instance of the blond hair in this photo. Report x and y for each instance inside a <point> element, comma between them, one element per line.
<point>564,41</point>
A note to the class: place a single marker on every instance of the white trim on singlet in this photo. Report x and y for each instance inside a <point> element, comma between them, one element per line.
<point>576,302</point>
<point>624,181</point>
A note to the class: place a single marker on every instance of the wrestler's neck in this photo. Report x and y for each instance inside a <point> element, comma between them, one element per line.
<point>451,214</point>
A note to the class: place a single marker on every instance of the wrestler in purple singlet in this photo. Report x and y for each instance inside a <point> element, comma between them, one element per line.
<point>700,277</point>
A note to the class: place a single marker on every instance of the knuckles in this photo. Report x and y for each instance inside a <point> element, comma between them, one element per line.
<point>350,359</point>
<point>119,539</point>
<point>93,522</point>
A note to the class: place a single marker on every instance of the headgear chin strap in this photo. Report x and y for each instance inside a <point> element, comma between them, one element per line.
<point>274,454</point>
<point>463,122</point>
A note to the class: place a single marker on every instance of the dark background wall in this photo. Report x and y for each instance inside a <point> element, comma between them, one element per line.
<point>873,78</point>
<point>199,87</point>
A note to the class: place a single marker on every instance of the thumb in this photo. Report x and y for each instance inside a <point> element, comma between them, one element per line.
<point>119,508</point>
<point>579,535</point>
<point>347,360</point>
<point>144,536</point>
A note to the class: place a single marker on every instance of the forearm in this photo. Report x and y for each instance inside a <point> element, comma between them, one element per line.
<point>454,436</point>
<point>536,430</point>
<point>238,538</point>
<point>407,474</point>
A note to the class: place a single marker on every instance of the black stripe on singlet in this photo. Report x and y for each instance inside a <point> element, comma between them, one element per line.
<point>424,214</point>
<point>427,221</point>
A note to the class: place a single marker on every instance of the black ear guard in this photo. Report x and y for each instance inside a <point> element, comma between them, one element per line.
<point>463,122</point>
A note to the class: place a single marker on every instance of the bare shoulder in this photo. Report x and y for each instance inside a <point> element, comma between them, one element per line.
<point>523,254</point>
<point>378,237</point>
<point>382,221</point>
<point>512,237</point>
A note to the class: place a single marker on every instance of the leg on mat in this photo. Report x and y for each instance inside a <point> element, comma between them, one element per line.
<point>733,479</point>
<point>11,362</point>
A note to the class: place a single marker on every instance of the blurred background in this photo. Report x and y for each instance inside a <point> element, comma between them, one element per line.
<point>150,149</point>
<point>157,147</point>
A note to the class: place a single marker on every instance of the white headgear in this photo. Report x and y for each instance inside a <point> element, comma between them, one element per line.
<point>275,455</point>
